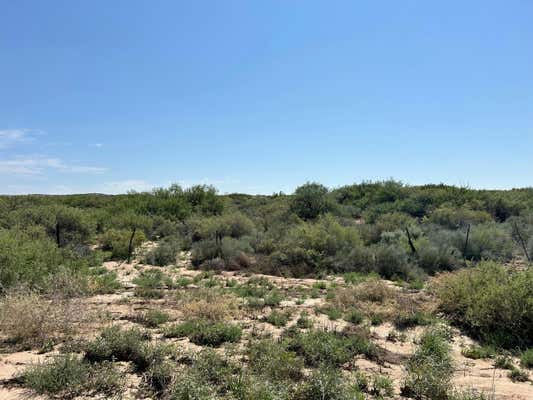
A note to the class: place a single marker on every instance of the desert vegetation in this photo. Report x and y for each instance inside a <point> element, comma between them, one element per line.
<point>372,290</point>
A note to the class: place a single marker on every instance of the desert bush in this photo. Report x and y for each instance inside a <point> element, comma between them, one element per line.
<point>31,320</point>
<point>517,375</point>
<point>278,318</point>
<point>149,282</point>
<point>229,250</point>
<point>430,369</point>
<point>477,352</point>
<point>152,318</point>
<point>391,261</point>
<point>115,343</point>
<point>526,358</point>
<point>116,241</point>
<point>104,282</point>
<point>164,253</point>
<point>207,304</point>
<point>471,298</point>
<point>489,241</point>
<point>206,333</point>
<point>332,348</point>
<point>327,384</point>
<point>271,359</point>
<point>69,376</point>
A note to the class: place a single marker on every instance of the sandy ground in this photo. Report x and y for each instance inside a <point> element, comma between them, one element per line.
<point>479,375</point>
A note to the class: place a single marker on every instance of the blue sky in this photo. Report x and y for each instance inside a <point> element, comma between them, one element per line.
<point>261,96</point>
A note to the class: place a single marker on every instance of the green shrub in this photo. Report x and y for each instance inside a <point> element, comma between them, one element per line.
<point>206,333</point>
<point>164,254</point>
<point>149,283</point>
<point>327,384</point>
<point>517,375</point>
<point>526,358</point>
<point>408,319</point>
<point>115,343</point>
<point>472,297</point>
<point>477,352</point>
<point>278,318</point>
<point>430,369</point>
<point>116,241</point>
<point>503,362</point>
<point>304,322</point>
<point>272,359</point>
<point>331,348</point>
<point>152,318</point>
<point>354,316</point>
<point>68,376</point>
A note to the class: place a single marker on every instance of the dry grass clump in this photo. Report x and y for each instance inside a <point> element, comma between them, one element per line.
<point>31,320</point>
<point>208,304</point>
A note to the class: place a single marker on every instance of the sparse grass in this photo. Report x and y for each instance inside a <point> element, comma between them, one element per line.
<point>208,304</point>
<point>31,320</point>
<point>69,376</point>
<point>152,318</point>
<point>409,319</point>
<point>333,313</point>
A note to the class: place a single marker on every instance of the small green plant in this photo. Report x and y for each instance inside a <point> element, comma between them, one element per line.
<point>149,283</point>
<point>477,352</point>
<point>333,313</point>
<point>115,343</point>
<point>304,322</point>
<point>152,318</point>
<point>404,320</point>
<point>272,359</point>
<point>278,318</point>
<point>503,362</point>
<point>517,375</point>
<point>526,359</point>
<point>430,369</point>
<point>354,316</point>
<point>382,386</point>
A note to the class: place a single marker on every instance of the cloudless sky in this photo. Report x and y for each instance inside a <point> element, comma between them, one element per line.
<point>261,96</point>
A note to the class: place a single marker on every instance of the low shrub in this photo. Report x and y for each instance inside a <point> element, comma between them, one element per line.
<point>69,376</point>
<point>477,352</point>
<point>272,359</point>
<point>116,241</point>
<point>152,318</point>
<point>149,284</point>
<point>332,348</point>
<point>526,359</point>
<point>278,318</point>
<point>206,333</point>
<point>430,369</point>
<point>115,343</point>
<point>517,375</point>
<point>164,253</point>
